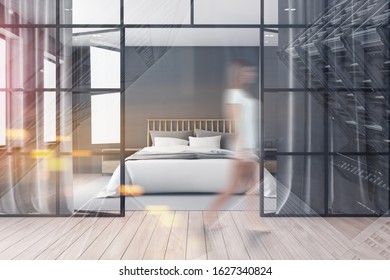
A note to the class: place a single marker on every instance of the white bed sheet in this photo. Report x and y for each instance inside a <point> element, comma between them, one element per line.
<point>180,175</point>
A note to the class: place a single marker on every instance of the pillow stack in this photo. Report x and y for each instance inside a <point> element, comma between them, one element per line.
<point>204,138</point>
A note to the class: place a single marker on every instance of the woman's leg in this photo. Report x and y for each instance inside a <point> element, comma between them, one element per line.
<point>231,188</point>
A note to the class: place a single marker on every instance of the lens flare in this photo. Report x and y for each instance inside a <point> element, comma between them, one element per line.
<point>60,138</point>
<point>17,134</point>
<point>39,154</point>
<point>131,190</point>
<point>82,153</point>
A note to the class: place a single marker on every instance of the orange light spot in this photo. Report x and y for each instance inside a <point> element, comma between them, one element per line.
<point>37,154</point>
<point>131,190</point>
<point>63,138</point>
<point>17,134</point>
<point>82,153</point>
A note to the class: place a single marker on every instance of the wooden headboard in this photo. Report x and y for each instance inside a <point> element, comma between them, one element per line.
<point>217,125</point>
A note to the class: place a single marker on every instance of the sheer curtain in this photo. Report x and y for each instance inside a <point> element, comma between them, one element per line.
<point>35,173</point>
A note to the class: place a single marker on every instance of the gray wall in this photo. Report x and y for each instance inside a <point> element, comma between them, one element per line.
<point>186,82</point>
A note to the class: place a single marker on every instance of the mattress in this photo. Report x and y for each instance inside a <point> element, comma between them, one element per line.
<point>195,171</point>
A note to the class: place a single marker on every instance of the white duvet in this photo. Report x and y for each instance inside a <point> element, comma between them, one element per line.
<point>180,175</point>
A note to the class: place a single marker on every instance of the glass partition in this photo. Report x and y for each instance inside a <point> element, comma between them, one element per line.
<point>83,82</point>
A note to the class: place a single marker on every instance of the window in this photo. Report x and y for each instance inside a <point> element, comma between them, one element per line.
<point>105,118</point>
<point>105,68</point>
<point>157,12</point>
<point>227,12</point>
<point>3,112</point>
<point>49,103</point>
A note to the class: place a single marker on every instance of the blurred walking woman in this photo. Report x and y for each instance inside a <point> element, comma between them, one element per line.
<point>240,107</point>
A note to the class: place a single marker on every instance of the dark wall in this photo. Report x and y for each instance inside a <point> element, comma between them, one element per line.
<point>186,82</point>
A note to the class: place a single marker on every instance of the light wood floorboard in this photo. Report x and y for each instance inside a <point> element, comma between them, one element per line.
<point>177,243</point>
<point>101,243</point>
<point>196,243</point>
<point>63,228</point>
<point>77,248</point>
<point>182,235</point>
<point>215,244</point>
<point>140,241</point>
<point>119,245</point>
<point>157,246</point>
<point>32,238</point>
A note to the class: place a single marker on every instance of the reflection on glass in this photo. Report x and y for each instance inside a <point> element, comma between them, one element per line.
<point>91,58</point>
<point>191,37</point>
<point>31,50</point>
<point>294,11</point>
<point>160,12</point>
<point>28,12</point>
<point>3,116</point>
<point>90,11</point>
<point>226,12</point>
<point>300,185</point>
<point>282,63</point>
<point>294,122</point>
<point>359,185</point>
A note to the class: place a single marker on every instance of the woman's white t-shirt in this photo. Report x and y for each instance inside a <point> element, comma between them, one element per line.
<point>247,122</point>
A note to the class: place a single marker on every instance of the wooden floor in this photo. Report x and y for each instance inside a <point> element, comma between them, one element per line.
<point>182,235</point>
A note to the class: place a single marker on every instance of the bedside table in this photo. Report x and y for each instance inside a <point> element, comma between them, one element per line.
<point>111,159</point>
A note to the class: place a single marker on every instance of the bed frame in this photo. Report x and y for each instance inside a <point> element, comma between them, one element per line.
<point>217,125</point>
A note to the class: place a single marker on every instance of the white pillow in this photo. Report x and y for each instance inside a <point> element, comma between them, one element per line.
<point>209,142</point>
<point>168,141</point>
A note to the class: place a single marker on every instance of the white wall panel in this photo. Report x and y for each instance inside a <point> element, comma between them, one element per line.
<point>2,119</point>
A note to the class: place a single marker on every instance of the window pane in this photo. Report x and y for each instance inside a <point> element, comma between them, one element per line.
<point>300,185</point>
<point>49,74</point>
<point>28,12</point>
<point>105,68</point>
<point>49,102</point>
<point>105,118</point>
<point>2,119</point>
<point>28,50</point>
<point>91,58</point>
<point>282,62</point>
<point>3,63</point>
<point>157,12</point>
<point>193,37</point>
<point>359,185</point>
<point>294,122</point>
<point>227,12</point>
<point>2,94</point>
<point>90,11</point>
<point>49,116</point>
<point>293,11</point>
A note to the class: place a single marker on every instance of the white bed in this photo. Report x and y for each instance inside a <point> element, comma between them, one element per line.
<point>170,175</point>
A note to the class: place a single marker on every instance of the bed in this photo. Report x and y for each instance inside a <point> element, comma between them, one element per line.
<point>169,165</point>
